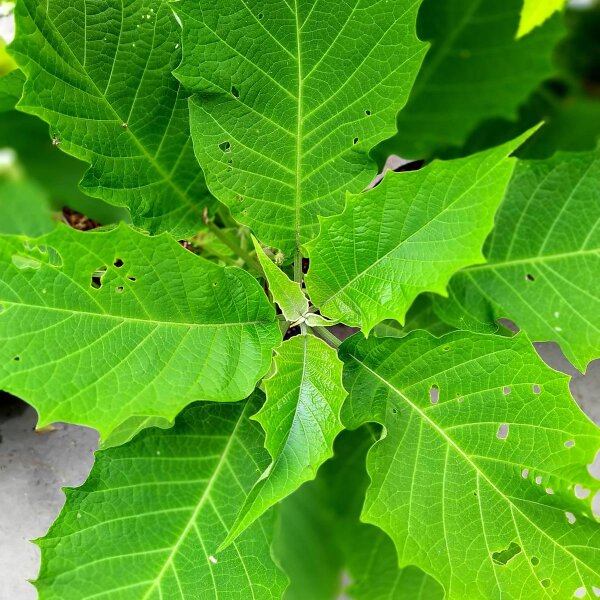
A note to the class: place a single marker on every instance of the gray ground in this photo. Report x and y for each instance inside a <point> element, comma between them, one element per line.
<point>34,467</point>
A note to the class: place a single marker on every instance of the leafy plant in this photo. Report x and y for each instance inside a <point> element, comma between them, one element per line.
<point>247,452</point>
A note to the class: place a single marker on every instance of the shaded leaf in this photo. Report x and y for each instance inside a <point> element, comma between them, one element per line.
<point>476,70</point>
<point>301,421</point>
<point>289,100</point>
<point>24,208</point>
<point>543,259</point>
<point>485,451</point>
<point>98,327</point>
<point>408,235</point>
<point>100,74</point>
<point>147,522</point>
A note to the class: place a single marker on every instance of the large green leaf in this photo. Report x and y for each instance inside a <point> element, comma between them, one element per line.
<point>100,74</point>
<point>24,207</point>
<point>320,538</point>
<point>301,420</point>
<point>98,327</point>
<point>481,478</point>
<point>543,259</point>
<point>408,235</point>
<point>476,70</point>
<point>148,521</point>
<point>535,12</point>
<point>291,96</point>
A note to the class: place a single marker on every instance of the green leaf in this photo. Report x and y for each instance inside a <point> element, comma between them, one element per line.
<point>535,12</point>
<point>147,522</point>
<point>543,259</point>
<point>100,74</point>
<point>420,316</point>
<point>321,543</point>
<point>481,478</point>
<point>408,235</point>
<point>127,430</point>
<point>24,208</point>
<point>476,70</point>
<point>288,294</point>
<point>291,96</point>
<point>98,327</point>
<point>301,421</point>
<point>11,88</point>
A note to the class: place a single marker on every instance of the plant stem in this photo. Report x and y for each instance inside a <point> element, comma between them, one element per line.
<point>230,242</point>
<point>327,336</point>
<point>298,275</point>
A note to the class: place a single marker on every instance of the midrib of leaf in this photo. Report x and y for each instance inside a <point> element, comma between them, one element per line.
<point>105,315</point>
<point>533,259</point>
<point>297,255</point>
<point>151,159</point>
<point>402,242</point>
<point>480,474</point>
<point>191,524</point>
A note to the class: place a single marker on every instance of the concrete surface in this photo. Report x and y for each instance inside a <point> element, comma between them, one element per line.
<point>34,467</point>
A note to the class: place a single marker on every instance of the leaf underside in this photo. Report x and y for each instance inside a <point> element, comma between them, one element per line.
<point>543,259</point>
<point>481,478</point>
<point>98,327</point>
<point>148,521</point>
<point>100,74</point>
<point>290,98</point>
<point>408,235</point>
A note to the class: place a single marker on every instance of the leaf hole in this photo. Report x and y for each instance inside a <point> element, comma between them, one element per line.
<point>118,263</point>
<point>395,411</point>
<point>545,583</point>
<point>119,289</point>
<point>569,443</point>
<point>235,92</point>
<point>581,493</point>
<point>446,348</point>
<point>537,389</point>
<point>506,390</point>
<point>538,479</point>
<point>570,517</point>
<point>355,141</point>
<point>24,262</point>
<point>260,16</point>
<point>502,432</point>
<point>131,278</point>
<point>549,491</point>
<point>502,557</point>
<point>96,279</point>
<point>434,394</point>
<point>580,592</point>
<point>525,473</point>
<point>368,113</point>
<point>529,277</point>
<point>535,561</point>
<point>17,358</point>
<point>225,146</point>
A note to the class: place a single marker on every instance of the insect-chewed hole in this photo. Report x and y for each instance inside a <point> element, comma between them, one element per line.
<point>502,432</point>
<point>118,263</point>
<point>537,389</point>
<point>535,561</point>
<point>261,16</point>
<point>569,443</point>
<point>225,146</point>
<point>580,592</point>
<point>355,141</point>
<point>394,411</point>
<point>119,289</point>
<point>17,358</point>
<point>368,113</point>
<point>235,92</point>
<point>506,390</point>
<point>538,479</point>
<point>545,583</point>
<point>434,394</point>
<point>96,278</point>
<point>525,473</point>
<point>529,277</point>
<point>570,517</point>
<point>131,278</point>
<point>502,557</point>
<point>581,493</point>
